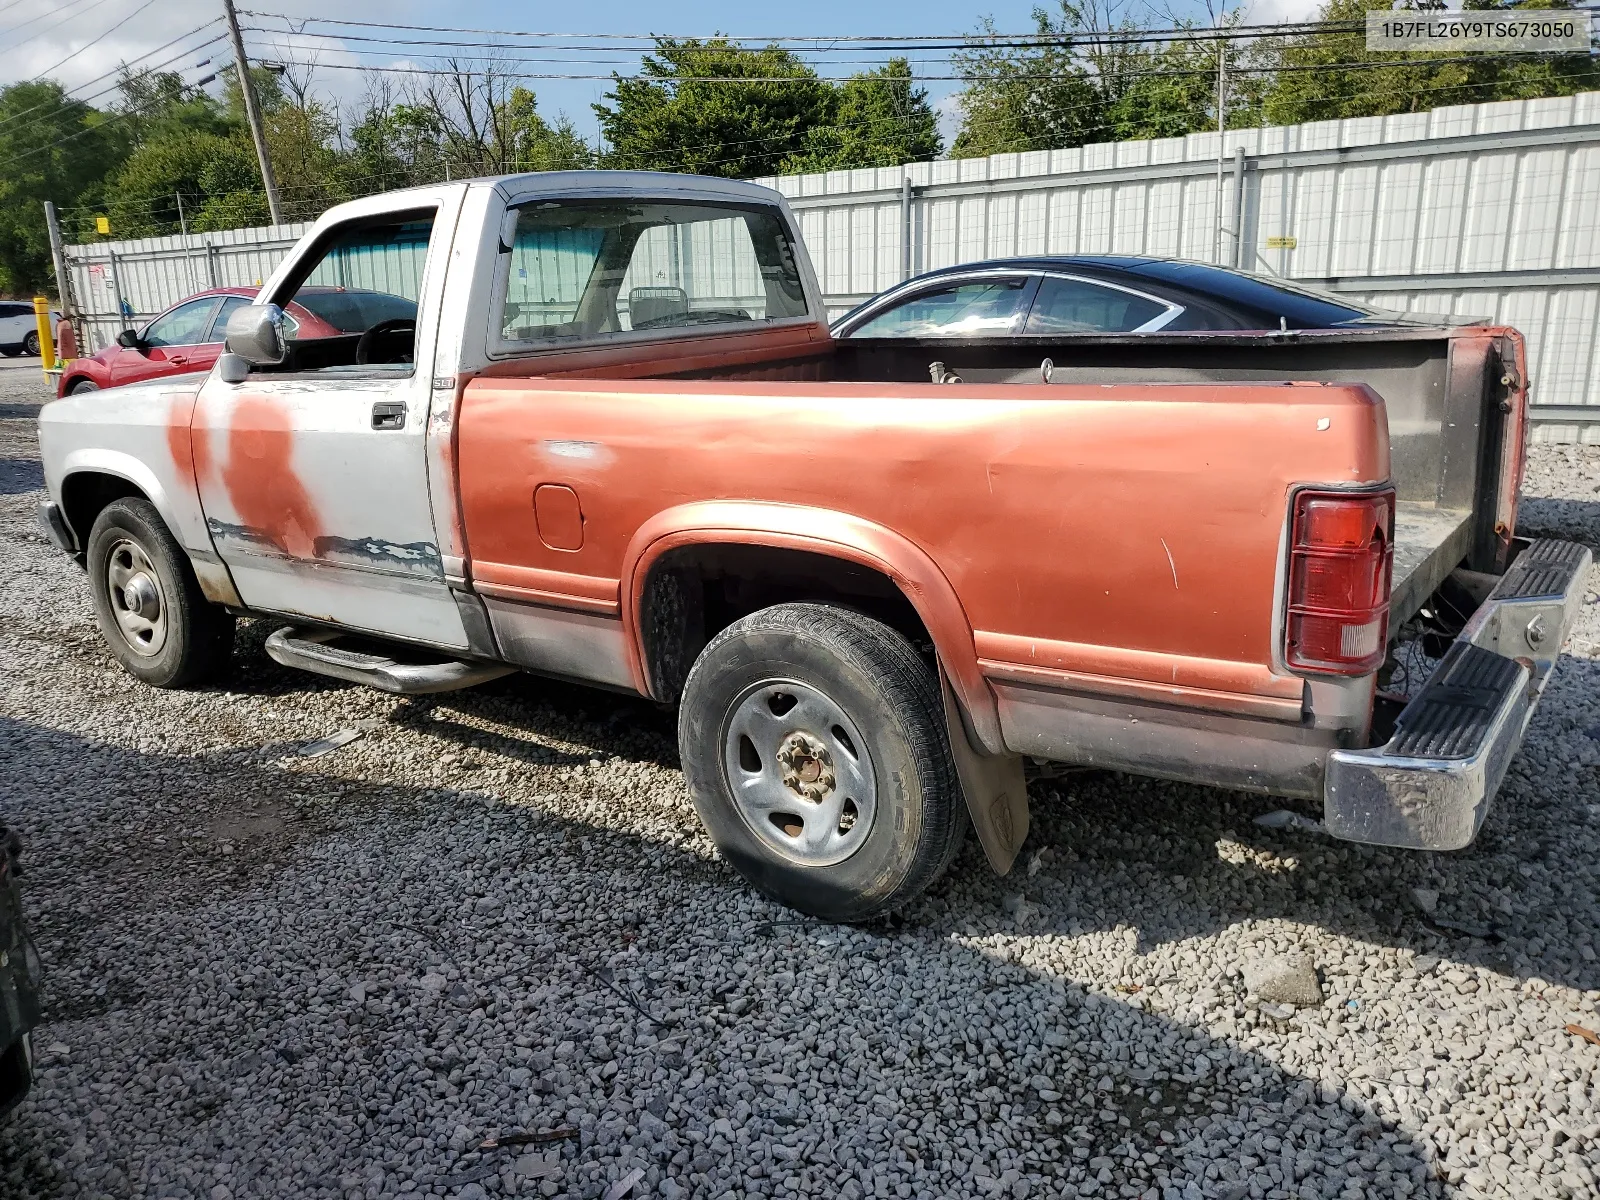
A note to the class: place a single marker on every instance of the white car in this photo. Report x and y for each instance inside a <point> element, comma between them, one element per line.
<point>19,328</point>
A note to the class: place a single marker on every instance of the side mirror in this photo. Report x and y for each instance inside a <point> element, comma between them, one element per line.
<point>255,334</point>
<point>232,369</point>
<point>130,340</point>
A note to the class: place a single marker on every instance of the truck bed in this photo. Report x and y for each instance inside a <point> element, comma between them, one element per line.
<point>1445,391</point>
<point>1429,542</point>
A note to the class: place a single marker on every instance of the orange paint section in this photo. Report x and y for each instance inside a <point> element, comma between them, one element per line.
<point>267,495</point>
<point>182,444</point>
<point>1145,518</point>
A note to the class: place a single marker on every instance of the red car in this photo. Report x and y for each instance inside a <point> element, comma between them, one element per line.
<point>188,336</point>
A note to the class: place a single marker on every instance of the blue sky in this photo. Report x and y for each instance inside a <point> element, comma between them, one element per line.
<point>94,36</point>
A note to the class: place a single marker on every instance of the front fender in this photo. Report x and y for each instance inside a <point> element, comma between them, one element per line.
<point>822,531</point>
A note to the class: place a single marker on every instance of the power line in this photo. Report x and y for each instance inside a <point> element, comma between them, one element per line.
<point>1021,77</point>
<point>94,42</point>
<point>49,12</point>
<point>122,115</point>
<point>118,71</point>
<point>960,41</point>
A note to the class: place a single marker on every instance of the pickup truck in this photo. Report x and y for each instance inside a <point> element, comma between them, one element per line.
<point>616,444</point>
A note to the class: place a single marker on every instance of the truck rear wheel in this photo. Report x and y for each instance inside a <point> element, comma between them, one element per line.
<point>814,745</point>
<point>147,602</point>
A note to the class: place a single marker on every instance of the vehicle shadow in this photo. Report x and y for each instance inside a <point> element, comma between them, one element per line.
<point>1191,861</point>
<point>1182,861</point>
<point>19,476</point>
<point>1554,516</point>
<point>953,1062</point>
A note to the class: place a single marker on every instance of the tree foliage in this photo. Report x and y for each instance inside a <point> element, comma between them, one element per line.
<point>716,108</point>
<point>51,147</point>
<point>1089,77</point>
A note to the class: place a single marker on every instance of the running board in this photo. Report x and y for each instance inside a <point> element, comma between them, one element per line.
<point>310,650</point>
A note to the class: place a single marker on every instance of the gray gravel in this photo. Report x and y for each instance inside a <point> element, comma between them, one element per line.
<point>277,975</point>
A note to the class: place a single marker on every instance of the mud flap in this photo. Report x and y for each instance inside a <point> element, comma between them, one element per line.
<point>997,795</point>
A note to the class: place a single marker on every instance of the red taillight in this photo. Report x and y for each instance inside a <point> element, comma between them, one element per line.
<point>1340,562</point>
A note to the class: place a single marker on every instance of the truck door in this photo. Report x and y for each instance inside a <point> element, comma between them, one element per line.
<point>313,475</point>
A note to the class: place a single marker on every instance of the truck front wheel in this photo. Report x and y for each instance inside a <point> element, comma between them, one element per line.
<point>147,602</point>
<point>814,745</point>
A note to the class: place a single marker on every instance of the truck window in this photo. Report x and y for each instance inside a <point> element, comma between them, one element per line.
<point>356,306</point>
<point>590,269</point>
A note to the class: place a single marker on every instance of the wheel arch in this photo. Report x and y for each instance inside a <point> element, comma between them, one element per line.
<point>89,484</point>
<point>827,534</point>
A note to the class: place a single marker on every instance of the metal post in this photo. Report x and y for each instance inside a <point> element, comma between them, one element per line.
<point>905,228</point>
<point>252,112</point>
<point>211,263</point>
<point>58,258</point>
<point>1222,133</point>
<point>116,290</point>
<point>183,228</point>
<point>1239,255</point>
<point>47,335</point>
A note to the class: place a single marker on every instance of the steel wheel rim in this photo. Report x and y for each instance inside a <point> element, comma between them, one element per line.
<point>799,772</point>
<point>137,600</point>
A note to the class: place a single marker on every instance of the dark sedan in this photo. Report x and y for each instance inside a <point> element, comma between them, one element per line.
<point>1105,293</point>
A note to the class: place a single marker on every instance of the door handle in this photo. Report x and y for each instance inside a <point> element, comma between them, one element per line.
<point>180,359</point>
<point>388,414</point>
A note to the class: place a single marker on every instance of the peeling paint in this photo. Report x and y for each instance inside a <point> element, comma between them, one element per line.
<point>410,558</point>
<point>1170,563</point>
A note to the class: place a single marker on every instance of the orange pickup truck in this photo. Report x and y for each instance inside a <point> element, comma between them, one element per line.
<point>616,444</point>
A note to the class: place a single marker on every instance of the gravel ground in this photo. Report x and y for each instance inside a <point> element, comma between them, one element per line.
<point>269,974</point>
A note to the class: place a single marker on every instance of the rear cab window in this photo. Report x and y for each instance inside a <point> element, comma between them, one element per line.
<point>596,270</point>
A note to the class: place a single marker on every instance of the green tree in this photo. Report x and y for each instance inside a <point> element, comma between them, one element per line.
<point>51,148</point>
<point>713,108</point>
<point>878,120</point>
<point>1040,97</point>
<point>1330,81</point>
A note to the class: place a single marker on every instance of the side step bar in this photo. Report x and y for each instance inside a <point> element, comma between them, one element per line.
<point>310,650</point>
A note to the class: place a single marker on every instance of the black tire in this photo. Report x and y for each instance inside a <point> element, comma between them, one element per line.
<point>887,693</point>
<point>83,385</point>
<point>196,637</point>
<point>30,344</point>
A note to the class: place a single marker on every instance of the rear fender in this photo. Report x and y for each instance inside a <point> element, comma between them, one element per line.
<point>819,531</point>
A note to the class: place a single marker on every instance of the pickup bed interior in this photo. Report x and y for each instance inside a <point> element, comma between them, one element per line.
<point>1444,392</point>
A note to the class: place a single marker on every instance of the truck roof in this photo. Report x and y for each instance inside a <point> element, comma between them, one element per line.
<point>657,184</point>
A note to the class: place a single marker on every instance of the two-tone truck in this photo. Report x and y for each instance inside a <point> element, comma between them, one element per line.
<point>612,441</point>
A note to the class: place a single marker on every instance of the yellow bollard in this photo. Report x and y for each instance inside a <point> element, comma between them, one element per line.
<point>47,334</point>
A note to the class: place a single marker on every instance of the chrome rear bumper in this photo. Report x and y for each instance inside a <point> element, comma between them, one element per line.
<point>1430,786</point>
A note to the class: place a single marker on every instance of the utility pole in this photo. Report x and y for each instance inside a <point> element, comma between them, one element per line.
<point>252,112</point>
<point>1221,136</point>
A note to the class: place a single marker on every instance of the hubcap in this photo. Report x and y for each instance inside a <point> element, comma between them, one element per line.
<point>136,598</point>
<point>799,772</point>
